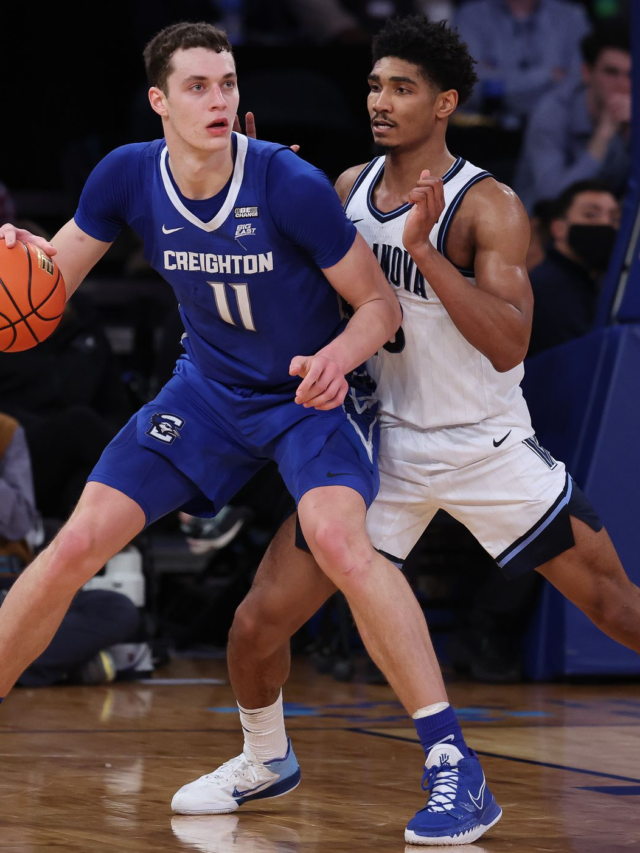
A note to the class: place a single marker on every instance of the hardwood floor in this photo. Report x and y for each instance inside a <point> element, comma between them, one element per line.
<point>94,769</point>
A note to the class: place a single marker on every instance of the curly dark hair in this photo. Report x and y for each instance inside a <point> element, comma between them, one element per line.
<point>438,51</point>
<point>158,53</point>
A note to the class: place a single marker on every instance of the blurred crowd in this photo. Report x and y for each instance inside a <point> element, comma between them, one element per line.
<point>551,115</point>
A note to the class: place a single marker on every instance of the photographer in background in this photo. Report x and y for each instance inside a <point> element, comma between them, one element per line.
<point>566,285</point>
<point>96,619</point>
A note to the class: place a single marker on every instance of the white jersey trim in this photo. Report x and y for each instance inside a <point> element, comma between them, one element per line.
<point>232,195</point>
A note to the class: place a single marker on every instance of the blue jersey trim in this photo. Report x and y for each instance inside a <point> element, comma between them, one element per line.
<point>513,550</point>
<point>453,207</point>
<point>399,211</point>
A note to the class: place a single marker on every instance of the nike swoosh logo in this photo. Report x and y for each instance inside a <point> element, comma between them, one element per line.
<point>479,800</point>
<point>498,443</point>
<point>237,793</point>
<point>356,220</point>
<point>171,230</point>
<point>339,474</point>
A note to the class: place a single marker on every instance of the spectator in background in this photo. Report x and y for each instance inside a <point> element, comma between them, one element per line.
<point>582,130</point>
<point>566,285</point>
<point>95,620</point>
<point>523,48</point>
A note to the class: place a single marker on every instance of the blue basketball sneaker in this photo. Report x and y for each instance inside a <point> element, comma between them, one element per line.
<point>236,782</point>
<point>460,807</point>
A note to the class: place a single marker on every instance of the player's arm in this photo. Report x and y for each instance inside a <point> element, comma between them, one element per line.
<point>494,315</point>
<point>75,252</point>
<point>359,279</point>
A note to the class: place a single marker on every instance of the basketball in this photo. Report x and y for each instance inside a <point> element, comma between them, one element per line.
<point>32,296</point>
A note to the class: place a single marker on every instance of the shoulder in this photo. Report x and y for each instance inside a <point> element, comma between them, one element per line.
<point>347,179</point>
<point>260,149</point>
<point>133,153</point>
<point>489,200</point>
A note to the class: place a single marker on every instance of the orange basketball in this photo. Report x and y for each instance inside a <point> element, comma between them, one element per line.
<point>32,296</point>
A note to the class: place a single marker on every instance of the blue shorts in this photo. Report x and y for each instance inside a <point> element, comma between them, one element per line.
<point>199,442</point>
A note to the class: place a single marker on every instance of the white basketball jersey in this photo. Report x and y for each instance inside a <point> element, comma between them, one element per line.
<point>430,376</point>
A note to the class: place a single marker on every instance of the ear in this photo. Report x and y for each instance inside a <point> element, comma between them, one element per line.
<point>158,101</point>
<point>446,102</point>
<point>559,229</point>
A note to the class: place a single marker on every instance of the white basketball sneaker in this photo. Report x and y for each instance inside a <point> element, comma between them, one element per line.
<point>238,781</point>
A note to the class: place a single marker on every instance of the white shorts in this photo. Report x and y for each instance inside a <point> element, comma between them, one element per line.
<point>493,477</point>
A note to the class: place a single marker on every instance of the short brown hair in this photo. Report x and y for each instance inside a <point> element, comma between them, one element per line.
<point>158,53</point>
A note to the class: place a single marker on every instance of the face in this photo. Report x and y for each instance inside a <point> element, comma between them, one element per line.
<point>201,100</point>
<point>611,75</point>
<point>404,108</point>
<point>587,208</point>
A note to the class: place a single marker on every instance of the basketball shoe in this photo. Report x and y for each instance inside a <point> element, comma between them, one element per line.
<point>460,807</point>
<point>238,781</point>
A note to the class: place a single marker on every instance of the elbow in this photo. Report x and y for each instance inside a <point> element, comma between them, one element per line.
<point>507,361</point>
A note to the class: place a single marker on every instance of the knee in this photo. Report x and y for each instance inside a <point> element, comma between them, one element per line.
<point>256,632</point>
<point>344,555</point>
<point>72,557</point>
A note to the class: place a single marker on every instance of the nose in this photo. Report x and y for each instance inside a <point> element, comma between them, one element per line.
<point>217,98</point>
<point>381,102</point>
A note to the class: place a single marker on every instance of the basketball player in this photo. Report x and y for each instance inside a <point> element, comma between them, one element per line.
<point>456,432</point>
<point>257,247</point>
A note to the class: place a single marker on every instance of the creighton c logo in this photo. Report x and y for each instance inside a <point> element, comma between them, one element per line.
<point>165,428</point>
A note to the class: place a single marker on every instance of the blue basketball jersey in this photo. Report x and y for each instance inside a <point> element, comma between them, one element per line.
<point>251,292</point>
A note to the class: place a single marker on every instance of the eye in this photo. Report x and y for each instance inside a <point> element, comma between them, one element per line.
<point>401,90</point>
<point>197,87</point>
<point>230,84</point>
<point>373,87</point>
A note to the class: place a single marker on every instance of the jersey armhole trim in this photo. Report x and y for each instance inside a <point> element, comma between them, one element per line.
<point>453,207</point>
<point>359,180</point>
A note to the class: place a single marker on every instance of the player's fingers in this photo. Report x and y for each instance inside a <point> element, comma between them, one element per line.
<point>8,234</point>
<point>250,125</point>
<point>299,366</point>
<point>325,396</point>
<point>295,148</point>
<point>417,195</point>
<point>41,243</point>
<point>424,174</point>
<point>314,377</point>
<point>337,400</point>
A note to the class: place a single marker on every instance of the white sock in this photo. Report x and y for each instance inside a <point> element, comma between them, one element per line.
<point>429,710</point>
<point>265,737</point>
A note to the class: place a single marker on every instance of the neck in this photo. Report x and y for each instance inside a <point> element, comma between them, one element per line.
<point>402,168</point>
<point>566,250</point>
<point>198,174</point>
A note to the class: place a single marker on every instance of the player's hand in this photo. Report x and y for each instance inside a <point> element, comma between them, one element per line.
<point>250,129</point>
<point>11,235</point>
<point>617,108</point>
<point>323,385</point>
<point>428,203</point>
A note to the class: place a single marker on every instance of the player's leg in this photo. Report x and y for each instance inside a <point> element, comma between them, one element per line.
<point>288,589</point>
<point>103,522</point>
<point>591,576</point>
<point>394,631</point>
<point>333,522</point>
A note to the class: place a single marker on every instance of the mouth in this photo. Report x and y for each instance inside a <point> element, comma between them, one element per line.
<point>381,125</point>
<point>218,126</point>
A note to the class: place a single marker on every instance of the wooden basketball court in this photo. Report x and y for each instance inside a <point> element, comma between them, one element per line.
<point>94,769</point>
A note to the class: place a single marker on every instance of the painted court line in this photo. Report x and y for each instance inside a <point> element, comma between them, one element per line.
<point>512,758</point>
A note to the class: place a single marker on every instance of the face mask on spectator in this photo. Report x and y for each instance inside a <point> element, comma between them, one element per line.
<point>593,244</point>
